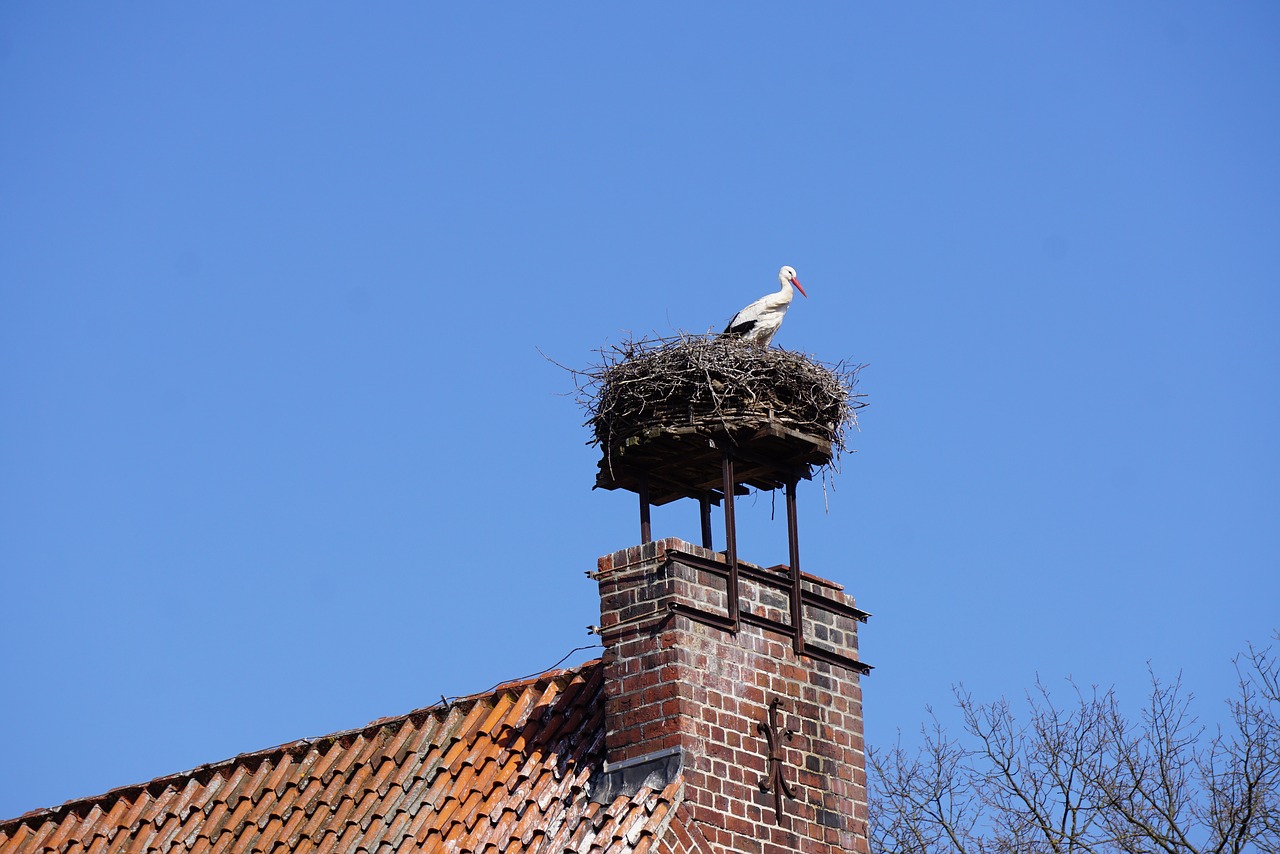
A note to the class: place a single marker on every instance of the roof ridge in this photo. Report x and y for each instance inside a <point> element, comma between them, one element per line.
<point>206,771</point>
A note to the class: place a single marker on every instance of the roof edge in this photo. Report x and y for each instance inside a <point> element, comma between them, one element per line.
<point>207,770</point>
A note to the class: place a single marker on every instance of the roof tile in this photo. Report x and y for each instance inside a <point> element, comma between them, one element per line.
<point>233,786</point>
<point>329,755</point>
<point>349,840</point>
<point>367,810</point>
<point>42,832</point>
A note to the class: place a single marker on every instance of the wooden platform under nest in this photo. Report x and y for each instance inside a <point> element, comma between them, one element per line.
<point>686,462</point>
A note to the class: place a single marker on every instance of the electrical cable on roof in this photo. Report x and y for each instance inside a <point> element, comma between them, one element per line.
<point>450,701</point>
<point>562,661</point>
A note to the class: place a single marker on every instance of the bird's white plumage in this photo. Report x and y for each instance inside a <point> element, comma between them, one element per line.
<point>757,323</point>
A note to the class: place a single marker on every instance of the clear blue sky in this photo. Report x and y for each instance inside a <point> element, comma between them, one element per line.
<point>279,455</point>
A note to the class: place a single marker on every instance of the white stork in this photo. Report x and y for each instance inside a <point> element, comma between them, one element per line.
<point>757,323</point>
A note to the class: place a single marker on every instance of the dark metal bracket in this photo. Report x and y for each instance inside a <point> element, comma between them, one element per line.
<point>774,781</point>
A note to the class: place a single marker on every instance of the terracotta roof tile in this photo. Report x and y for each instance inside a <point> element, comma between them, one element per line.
<point>349,839</point>
<point>504,771</point>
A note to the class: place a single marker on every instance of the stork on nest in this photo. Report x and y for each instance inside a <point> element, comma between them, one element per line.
<point>714,385</point>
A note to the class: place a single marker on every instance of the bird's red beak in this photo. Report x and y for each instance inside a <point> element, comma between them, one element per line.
<point>796,282</point>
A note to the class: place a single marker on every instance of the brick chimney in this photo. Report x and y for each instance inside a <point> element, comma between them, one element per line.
<point>769,741</point>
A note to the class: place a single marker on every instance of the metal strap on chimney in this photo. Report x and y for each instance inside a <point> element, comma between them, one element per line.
<point>729,623</point>
<point>768,579</point>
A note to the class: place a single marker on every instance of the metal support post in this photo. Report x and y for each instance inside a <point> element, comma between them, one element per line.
<point>797,592</point>
<point>646,529</point>
<point>704,508</point>
<point>730,535</point>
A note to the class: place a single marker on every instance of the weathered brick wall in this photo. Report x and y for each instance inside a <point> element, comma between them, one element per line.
<point>672,681</point>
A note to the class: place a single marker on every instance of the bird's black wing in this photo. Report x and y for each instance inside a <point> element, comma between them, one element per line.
<point>735,328</point>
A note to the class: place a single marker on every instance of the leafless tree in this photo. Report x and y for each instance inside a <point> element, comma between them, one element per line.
<point>1085,777</point>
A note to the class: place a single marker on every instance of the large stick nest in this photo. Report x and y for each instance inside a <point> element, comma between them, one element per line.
<point>715,383</point>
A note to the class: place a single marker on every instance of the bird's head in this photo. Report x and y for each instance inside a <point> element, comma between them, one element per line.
<point>787,275</point>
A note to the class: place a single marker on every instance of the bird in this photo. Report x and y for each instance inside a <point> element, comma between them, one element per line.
<point>757,323</point>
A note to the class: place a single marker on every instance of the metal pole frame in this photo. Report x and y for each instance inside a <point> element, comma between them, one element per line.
<point>704,513</point>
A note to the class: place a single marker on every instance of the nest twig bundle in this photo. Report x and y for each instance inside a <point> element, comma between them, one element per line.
<point>717,383</point>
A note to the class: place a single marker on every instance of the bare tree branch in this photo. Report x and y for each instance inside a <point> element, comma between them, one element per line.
<point>1086,778</point>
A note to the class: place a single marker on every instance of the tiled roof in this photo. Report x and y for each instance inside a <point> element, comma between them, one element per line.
<point>503,771</point>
